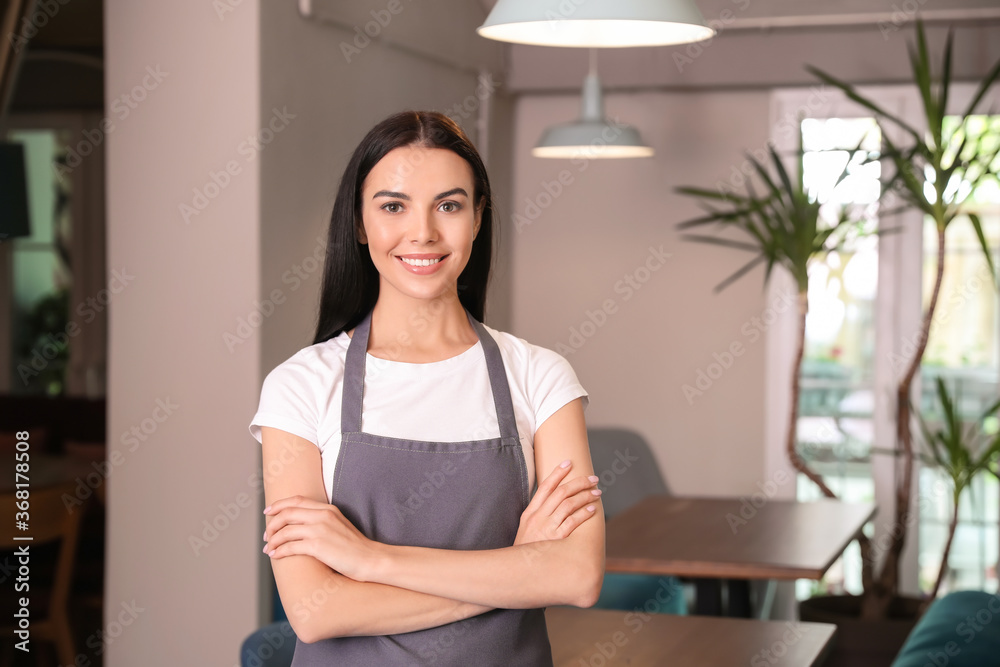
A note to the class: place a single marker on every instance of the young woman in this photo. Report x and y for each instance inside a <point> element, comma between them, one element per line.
<point>401,449</point>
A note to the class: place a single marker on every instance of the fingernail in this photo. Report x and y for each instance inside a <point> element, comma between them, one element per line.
<point>590,508</point>
<point>594,478</point>
<point>596,492</point>
<point>565,464</point>
<point>270,553</point>
<point>266,509</point>
<point>264,549</point>
<point>265,535</point>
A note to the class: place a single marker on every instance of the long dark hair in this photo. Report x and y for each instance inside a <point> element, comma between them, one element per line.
<point>350,279</point>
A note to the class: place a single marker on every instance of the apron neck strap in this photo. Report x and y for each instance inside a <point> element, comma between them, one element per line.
<point>354,376</point>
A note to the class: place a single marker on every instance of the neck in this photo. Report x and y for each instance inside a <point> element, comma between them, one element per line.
<point>419,330</point>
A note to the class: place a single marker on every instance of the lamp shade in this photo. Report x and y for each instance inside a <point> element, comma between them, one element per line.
<point>593,135</point>
<point>596,23</point>
<point>14,220</point>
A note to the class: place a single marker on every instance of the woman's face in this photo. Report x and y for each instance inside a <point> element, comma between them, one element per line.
<point>419,220</point>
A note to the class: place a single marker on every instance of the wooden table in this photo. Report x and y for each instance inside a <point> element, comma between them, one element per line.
<point>732,538</point>
<point>595,637</point>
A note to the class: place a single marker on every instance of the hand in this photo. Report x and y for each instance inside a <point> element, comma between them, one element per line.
<point>556,509</point>
<point>302,526</point>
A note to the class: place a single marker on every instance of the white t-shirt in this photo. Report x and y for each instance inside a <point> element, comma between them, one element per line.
<point>441,401</point>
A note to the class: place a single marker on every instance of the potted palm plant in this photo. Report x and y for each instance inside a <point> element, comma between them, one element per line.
<point>934,171</point>
<point>783,227</point>
<point>962,450</point>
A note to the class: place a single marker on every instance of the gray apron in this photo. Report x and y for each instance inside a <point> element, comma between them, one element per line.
<point>445,495</point>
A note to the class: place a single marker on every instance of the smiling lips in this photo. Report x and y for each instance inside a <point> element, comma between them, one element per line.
<point>422,264</point>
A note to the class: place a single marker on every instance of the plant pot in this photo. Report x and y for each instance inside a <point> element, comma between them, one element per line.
<point>862,643</point>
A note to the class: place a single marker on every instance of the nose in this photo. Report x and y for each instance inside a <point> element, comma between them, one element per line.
<point>422,228</point>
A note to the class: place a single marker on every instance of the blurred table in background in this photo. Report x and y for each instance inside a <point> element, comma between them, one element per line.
<point>585,637</point>
<point>732,538</point>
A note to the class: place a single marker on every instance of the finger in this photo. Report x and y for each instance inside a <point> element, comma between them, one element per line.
<point>292,501</point>
<point>549,484</point>
<point>565,490</point>
<point>294,548</point>
<point>574,520</point>
<point>574,503</point>
<point>290,515</point>
<point>289,533</point>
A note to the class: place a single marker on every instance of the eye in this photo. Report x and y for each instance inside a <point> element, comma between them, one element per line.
<point>452,206</point>
<point>392,207</point>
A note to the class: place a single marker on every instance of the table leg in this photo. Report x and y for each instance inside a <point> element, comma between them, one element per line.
<point>739,599</point>
<point>708,597</point>
<point>768,602</point>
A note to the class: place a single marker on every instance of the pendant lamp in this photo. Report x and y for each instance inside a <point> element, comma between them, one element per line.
<point>593,135</point>
<point>596,23</point>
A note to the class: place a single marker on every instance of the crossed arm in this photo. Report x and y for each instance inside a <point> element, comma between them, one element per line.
<point>333,581</point>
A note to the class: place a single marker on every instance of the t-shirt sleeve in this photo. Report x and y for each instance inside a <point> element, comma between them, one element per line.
<point>553,384</point>
<point>288,401</point>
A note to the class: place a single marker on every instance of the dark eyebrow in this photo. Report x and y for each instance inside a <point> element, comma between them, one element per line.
<point>453,191</point>
<point>394,195</point>
<point>400,195</point>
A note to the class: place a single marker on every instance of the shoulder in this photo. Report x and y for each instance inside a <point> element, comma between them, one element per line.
<point>312,365</point>
<point>533,360</point>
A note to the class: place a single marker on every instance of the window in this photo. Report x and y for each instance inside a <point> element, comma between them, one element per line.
<point>865,307</point>
<point>41,270</point>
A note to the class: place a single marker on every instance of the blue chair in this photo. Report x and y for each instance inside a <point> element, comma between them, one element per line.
<point>628,473</point>
<point>270,646</point>
<point>961,629</point>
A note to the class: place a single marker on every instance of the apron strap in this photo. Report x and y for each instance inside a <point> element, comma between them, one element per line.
<point>354,375</point>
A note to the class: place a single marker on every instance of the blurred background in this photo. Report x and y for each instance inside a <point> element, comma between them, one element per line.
<point>180,164</point>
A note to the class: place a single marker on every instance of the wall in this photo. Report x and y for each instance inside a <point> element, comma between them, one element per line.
<point>194,329</point>
<point>178,401</point>
<point>647,341</point>
<point>700,107</point>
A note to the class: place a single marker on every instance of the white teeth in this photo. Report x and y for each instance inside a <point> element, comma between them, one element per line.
<point>420,262</point>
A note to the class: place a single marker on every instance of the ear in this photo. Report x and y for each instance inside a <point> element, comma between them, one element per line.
<point>479,218</point>
<point>359,227</point>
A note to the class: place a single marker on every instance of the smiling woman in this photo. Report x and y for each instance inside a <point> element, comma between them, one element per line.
<point>401,449</point>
